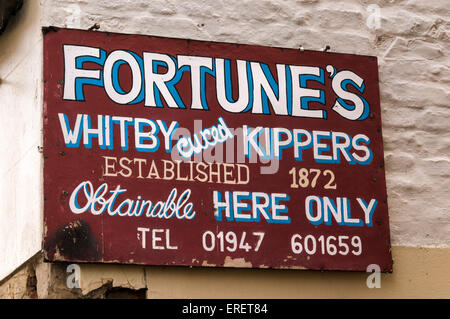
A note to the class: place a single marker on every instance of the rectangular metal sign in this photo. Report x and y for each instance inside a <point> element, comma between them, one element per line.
<point>163,151</point>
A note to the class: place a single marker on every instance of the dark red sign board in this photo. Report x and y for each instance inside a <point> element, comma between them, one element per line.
<point>163,151</point>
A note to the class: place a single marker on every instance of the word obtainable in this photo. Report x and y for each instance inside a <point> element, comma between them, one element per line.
<point>85,198</point>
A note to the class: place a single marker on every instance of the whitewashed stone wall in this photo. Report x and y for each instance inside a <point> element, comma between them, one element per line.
<point>20,138</point>
<point>410,39</point>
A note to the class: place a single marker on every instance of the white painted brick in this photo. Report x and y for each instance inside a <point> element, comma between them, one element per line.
<point>341,20</point>
<point>434,119</point>
<point>414,94</point>
<point>413,50</point>
<point>437,6</point>
<point>438,166</point>
<point>402,162</point>
<point>418,71</point>
<point>404,22</point>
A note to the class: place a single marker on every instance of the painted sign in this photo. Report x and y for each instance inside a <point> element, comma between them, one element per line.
<point>165,151</point>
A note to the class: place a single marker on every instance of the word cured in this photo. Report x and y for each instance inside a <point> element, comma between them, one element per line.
<point>186,146</point>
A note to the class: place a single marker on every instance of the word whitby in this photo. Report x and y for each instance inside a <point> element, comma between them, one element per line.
<point>290,89</point>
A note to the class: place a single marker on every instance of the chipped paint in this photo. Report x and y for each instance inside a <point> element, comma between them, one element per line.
<point>237,262</point>
<point>294,267</point>
<point>206,264</point>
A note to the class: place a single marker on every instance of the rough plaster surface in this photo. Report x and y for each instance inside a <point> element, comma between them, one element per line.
<point>410,39</point>
<point>37,279</point>
<point>20,137</point>
<point>20,285</point>
<point>418,273</point>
